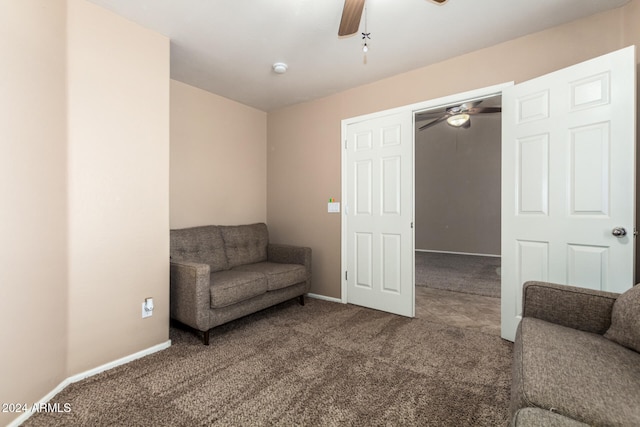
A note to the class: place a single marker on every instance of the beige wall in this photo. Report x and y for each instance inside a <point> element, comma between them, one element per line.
<point>84,192</point>
<point>33,214</point>
<point>218,160</point>
<point>457,187</point>
<point>304,140</point>
<point>118,119</point>
<point>80,253</point>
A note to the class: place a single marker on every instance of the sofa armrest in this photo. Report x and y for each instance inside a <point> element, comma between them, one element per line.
<point>287,254</point>
<point>190,294</point>
<point>578,308</point>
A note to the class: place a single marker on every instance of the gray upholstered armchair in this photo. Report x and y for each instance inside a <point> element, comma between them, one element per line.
<point>222,273</point>
<point>576,357</point>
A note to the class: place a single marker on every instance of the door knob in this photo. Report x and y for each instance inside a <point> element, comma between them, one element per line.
<point>619,232</point>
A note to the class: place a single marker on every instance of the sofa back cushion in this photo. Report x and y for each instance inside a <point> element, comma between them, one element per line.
<point>245,244</point>
<point>199,244</point>
<point>625,320</point>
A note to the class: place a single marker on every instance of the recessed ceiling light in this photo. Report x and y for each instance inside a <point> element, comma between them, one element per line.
<point>280,67</point>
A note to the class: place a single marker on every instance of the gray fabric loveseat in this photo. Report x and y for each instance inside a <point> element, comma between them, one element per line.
<point>576,358</point>
<point>222,273</point>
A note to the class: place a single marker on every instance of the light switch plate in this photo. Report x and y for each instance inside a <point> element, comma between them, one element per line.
<point>333,207</point>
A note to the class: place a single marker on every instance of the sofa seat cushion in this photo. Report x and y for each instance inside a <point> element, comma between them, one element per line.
<point>278,275</point>
<point>230,287</point>
<point>577,374</point>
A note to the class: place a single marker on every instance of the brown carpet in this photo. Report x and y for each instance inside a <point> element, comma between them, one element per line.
<point>471,274</point>
<point>321,364</point>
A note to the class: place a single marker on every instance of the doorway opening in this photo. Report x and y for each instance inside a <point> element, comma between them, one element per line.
<point>577,241</point>
<point>385,131</point>
<point>457,213</point>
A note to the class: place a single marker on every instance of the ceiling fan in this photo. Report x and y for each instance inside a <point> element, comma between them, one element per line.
<point>456,116</point>
<point>351,14</point>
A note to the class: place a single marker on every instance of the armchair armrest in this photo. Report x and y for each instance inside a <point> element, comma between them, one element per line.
<point>190,294</point>
<point>578,308</point>
<point>287,254</point>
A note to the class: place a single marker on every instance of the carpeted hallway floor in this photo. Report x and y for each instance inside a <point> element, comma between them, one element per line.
<point>474,312</point>
<point>322,364</point>
<point>472,274</point>
<point>459,290</point>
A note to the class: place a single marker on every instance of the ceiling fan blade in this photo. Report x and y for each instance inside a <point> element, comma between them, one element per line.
<point>351,14</point>
<point>429,115</point>
<point>433,123</point>
<point>485,110</point>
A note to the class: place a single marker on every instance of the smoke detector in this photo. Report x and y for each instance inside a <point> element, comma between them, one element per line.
<point>280,67</point>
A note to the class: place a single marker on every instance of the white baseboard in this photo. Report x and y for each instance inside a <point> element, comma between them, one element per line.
<point>121,361</point>
<point>457,253</point>
<point>325,298</point>
<point>86,374</point>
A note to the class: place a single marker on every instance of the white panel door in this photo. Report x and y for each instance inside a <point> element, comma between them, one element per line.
<point>379,213</point>
<point>568,180</point>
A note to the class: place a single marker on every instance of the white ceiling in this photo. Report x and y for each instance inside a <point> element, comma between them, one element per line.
<point>228,46</point>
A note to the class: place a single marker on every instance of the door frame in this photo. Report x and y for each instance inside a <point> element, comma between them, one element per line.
<point>412,109</point>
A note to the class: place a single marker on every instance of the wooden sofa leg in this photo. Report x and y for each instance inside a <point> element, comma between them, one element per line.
<point>205,337</point>
<point>301,300</point>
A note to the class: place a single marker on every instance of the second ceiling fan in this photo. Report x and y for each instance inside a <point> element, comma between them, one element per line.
<point>351,15</point>
<point>456,116</point>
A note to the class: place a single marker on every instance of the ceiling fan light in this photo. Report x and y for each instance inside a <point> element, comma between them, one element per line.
<point>458,120</point>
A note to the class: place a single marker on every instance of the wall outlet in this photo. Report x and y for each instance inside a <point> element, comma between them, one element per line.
<point>147,308</point>
<point>145,312</point>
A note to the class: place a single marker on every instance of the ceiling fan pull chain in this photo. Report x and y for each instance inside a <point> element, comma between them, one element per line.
<point>366,35</point>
